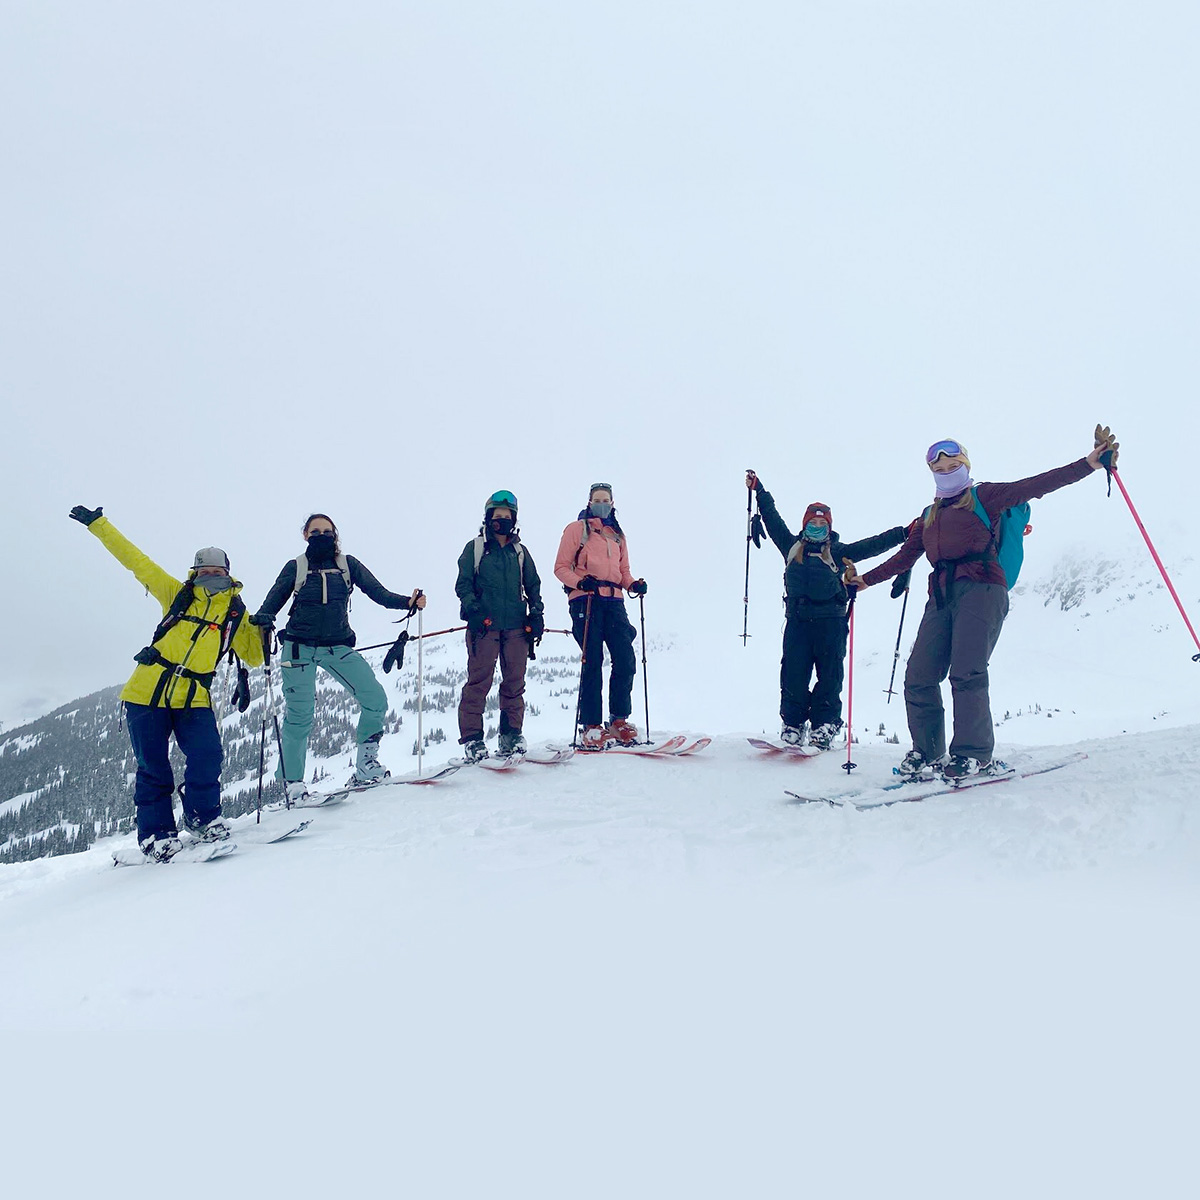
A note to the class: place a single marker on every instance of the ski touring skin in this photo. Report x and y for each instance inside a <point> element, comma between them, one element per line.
<point>884,796</point>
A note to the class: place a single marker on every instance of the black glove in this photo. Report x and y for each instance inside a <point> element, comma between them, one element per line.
<point>85,516</point>
<point>637,587</point>
<point>588,583</point>
<point>395,655</point>
<point>262,620</point>
<point>241,693</point>
<point>535,626</point>
<point>900,583</point>
<point>478,623</point>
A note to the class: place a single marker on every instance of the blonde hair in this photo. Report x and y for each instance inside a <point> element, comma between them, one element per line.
<point>966,500</point>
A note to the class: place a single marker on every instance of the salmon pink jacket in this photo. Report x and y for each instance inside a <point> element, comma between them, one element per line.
<point>601,556</point>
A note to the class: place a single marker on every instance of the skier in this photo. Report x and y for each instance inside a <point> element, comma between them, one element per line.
<point>318,635</point>
<point>593,567</point>
<point>814,637</point>
<point>501,597</point>
<point>968,601</point>
<point>169,690</point>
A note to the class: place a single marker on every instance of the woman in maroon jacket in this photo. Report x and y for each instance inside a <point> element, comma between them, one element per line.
<point>968,601</point>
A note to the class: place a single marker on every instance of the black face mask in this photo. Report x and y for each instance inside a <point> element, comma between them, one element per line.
<point>321,546</point>
<point>503,525</point>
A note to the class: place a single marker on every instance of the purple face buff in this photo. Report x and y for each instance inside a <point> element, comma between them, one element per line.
<point>952,482</point>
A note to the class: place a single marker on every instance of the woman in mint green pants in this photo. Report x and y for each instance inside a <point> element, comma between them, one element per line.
<point>318,635</point>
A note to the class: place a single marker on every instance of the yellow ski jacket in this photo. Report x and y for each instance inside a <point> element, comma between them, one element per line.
<point>192,643</point>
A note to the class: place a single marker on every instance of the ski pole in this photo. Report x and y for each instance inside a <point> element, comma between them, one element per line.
<point>746,592</point>
<point>645,678</point>
<point>1115,474</point>
<point>270,702</point>
<point>896,656</point>
<point>420,691</point>
<point>587,622</point>
<point>848,765</point>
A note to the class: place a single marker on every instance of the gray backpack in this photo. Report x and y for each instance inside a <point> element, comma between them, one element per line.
<point>302,574</point>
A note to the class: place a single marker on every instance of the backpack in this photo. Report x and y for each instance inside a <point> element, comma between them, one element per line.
<point>1009,540</point>
<point>479,545</point>
<point>302,573</point>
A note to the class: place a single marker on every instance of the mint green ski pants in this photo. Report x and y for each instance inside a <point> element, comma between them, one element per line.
<point>298,674</point>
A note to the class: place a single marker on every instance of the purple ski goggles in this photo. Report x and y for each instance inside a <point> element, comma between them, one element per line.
<point>949,447</point>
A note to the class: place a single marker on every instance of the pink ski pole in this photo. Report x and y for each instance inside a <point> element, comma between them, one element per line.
<point>1158,561</point>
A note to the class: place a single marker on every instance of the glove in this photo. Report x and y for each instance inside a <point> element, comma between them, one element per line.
<point>753,482</point>
<point>900,583</point>
<point>1107,448</point>
<point>478,623</point>
<point>85,516</point>
<point>535,626</point>
<point>637,587</point>
<point>588,583</point>
<point>241,693</point>
<point>852,578</point>
<point>395,655</point>
<point>262,620</point>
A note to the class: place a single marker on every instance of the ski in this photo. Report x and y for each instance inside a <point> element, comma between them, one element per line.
<point>695,747</point>
<point>869,798</point>
<point>647,749</point>
<point>256,835</point>
<point>549,755</point>
<point>192,852</point>
<point>784,748</point>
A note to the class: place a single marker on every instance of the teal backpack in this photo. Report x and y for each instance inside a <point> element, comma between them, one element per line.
<point>1010,542</point>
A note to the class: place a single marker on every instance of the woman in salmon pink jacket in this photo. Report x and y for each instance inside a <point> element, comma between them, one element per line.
<point>593,567</point>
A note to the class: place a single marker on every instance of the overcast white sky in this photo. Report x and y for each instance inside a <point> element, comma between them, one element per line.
<point>379,259</point>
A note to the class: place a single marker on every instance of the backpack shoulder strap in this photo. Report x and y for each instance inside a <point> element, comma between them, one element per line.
<point>521,570</point>
<point>301,572</point>
<point>343,565</point>
<point>478,545</point>
<point>980,511</point>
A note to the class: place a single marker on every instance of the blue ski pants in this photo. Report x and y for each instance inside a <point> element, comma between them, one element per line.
<point>195,731</point>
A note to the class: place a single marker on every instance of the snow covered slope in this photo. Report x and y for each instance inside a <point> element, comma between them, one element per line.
<point>643,978</point>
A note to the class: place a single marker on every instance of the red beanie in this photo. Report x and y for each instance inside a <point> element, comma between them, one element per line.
<point>817,509</point>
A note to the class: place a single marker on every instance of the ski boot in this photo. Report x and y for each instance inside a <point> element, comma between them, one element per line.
<point>822,737</point>
<point>622,732</point>
<point>961,767</point>
<point>216,830</point>
<point>297,795</point>
<point>914,766</point>
<point>161,847</point>
<point>367,767</point>
<point>511,742</point>
<point>592,737</point>
<point>792,735</point>
<point>475,750</point>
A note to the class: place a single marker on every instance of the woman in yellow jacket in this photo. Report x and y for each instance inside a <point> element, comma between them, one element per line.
<point>168,692</point>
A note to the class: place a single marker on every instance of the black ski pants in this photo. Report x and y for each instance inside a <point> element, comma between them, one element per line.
<point>609,627</point>
<point>956,640</point>
<point>813,644</point>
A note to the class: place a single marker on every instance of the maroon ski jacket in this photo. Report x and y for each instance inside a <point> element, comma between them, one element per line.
<point>957,532</point>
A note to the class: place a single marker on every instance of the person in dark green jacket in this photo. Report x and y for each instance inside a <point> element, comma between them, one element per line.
<point>814,638</point>
<point>501,597</point>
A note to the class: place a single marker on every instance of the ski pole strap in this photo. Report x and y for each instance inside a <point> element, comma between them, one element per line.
<point>1106,463</point>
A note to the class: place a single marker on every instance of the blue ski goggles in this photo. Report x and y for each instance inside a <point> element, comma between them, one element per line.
<point>949,447</point>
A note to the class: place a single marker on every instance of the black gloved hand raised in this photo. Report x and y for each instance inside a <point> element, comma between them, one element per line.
<point>85,516</point>
<point>637,587</point>
<point>589,583</point>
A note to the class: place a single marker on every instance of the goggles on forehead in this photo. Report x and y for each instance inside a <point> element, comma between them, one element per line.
<point>600,487</point>
<point>818,511</point>
<point>950,448</point>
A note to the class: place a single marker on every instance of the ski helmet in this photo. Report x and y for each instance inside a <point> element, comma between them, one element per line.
<point>500,499</point>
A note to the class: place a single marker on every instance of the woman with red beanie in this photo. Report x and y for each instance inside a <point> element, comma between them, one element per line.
<point>814,638</point>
